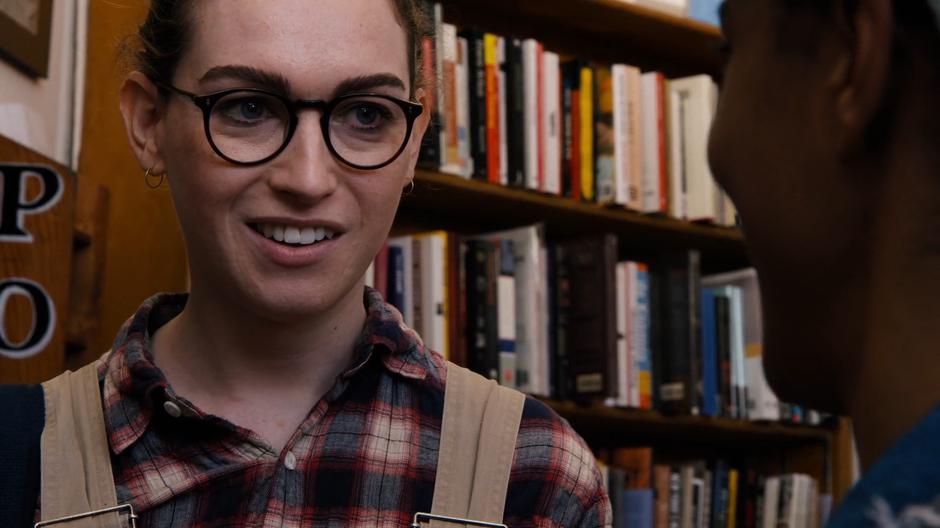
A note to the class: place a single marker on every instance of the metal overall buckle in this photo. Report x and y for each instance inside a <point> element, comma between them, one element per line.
<point>428,517</point>
<point>123,508</point>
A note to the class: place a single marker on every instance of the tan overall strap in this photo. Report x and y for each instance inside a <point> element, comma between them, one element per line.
<point>478,442</point>
<point>76,461</point>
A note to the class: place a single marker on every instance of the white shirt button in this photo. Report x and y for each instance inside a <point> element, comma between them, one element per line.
<point>290,461</point>
<point>172,409</point>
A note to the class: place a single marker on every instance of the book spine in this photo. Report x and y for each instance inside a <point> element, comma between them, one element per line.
<point>449,136</point>
<point>621,142</point>
<point>552,153</point>
<point>651,139</point>
<point>492,108</point>
<point>465,159</point>
<point>503,89</point>
<point>540,107</point>
<point>430,153</point>
<point>661,477</point>
<point>396,278</point>
<point>477,95</point>
<point>518,112</point>
<point>663,144</point>
<point>635,114</point>
<point>586,143</point>
<point>709,355</point>
<point>507,314</point>
<point>643,330</point>
<point>604,134</point>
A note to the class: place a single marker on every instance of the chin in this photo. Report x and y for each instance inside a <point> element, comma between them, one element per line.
<point>799,372</point>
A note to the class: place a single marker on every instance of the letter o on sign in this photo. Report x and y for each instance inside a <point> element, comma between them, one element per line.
<point>43,324</point>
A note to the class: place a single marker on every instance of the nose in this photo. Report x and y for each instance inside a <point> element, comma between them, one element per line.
<point>305,171</point>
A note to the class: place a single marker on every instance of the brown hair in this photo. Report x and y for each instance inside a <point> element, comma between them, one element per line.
<point>164,35</point>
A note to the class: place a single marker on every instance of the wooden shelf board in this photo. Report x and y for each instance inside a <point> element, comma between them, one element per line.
<point>602,30</point>
<point>618,426</point>
<point>444,201</point>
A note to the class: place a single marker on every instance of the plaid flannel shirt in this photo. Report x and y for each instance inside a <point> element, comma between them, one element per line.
<point>366,455</point>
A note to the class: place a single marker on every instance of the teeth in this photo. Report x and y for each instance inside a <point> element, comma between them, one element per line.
<point>308,235</point>
<point>295,235</point>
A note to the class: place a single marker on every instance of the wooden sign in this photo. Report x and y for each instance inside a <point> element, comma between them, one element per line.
<point>36,224</point>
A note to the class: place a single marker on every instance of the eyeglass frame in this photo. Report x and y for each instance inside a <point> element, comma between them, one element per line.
<point>207,103</point>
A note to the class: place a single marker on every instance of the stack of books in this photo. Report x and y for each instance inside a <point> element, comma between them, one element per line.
<point>570,320</point>
<point>648,492</point>
<point>507,111</point>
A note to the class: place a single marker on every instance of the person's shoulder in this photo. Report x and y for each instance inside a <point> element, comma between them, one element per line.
<point>555,471</point>
<point>903,487</point>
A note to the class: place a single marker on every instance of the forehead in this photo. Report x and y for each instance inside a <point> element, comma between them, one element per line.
<point>314,44</point>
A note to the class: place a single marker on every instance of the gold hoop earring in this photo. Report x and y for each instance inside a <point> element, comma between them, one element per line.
<point>151,178</point>
<point>410,189</point>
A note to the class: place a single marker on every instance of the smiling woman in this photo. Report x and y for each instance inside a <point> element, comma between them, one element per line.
<point>280,391</point>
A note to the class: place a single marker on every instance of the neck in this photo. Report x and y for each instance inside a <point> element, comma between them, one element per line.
<point>895,380</point>
<point>224,358</point>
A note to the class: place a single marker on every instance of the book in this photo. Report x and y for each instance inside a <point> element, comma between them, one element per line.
<point>638,508</point>
<point>493,161</point>
<point>655,171</point>
<point>381,271</point>
<point>405,246</point>
<point>503,102</point>
<point>676,359</point>
<point>506,312</point>
<point>624,323</point>
<point>517,81</point>
<point>586,136</point>
<point>449,137</point>
<point>396,278</point>
<point>762,403</point>
<point>477,96</point>
<point>552,116</point>
<point>637,464</point>
<point>464,154</point>
<point>641,338</point>
<point>591,332</point>
<point>531,301</point>
<point>698,98</point>
<point>431,148</point>
<point>710,392</point>
<point>675,138</point>
<point>661,477</point>
<point>571,130</point>
<point>482,305</point>
<point>605,161</point>
<point>532,59</point>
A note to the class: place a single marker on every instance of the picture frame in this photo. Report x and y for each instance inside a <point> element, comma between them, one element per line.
<point>25,33</point>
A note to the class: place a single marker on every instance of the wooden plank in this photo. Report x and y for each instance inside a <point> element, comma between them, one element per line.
<point>601,30</point>
<point>443,201</point>
<point>35,263</point>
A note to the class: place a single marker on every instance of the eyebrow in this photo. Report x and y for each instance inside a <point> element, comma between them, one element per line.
<point>364,83</point>
<point>249,74</point>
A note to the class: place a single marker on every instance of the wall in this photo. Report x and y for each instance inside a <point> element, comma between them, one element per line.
<point>42,114</point>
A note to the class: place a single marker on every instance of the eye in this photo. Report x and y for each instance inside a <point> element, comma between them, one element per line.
<point>367,115</point>
<point>247,110</point>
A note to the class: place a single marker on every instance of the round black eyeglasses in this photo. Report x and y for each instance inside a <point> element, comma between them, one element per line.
<point>245,126</point>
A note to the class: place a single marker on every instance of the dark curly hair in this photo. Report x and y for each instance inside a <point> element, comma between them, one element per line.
<point>163,36</point>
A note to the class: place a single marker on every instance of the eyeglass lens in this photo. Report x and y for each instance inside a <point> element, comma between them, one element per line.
<point>364,131</point>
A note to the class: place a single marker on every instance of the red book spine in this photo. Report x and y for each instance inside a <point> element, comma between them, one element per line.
<point>492,113</point>
<point>576,145</point>
<point>381,271</point>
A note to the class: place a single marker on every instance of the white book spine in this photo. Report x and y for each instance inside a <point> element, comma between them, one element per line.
<point>503,107</point>
<point>651,140</point>
<point>530,69</point>
<point>508,360</point>
<point>677,169</point>
<point>463,109</point>
<point>551,111</point>
<point>635,138</point>
<point>618,74</point>
<point>699,112</point>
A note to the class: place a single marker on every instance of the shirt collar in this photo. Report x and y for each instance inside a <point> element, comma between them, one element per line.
<point>135,388</point>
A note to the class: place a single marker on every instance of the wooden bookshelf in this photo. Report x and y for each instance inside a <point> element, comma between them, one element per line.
<point>639,426</point>
<point>602,30</point>
<point>471,206</point>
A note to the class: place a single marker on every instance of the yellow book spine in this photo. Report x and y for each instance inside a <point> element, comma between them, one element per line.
<point>587,134</point>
